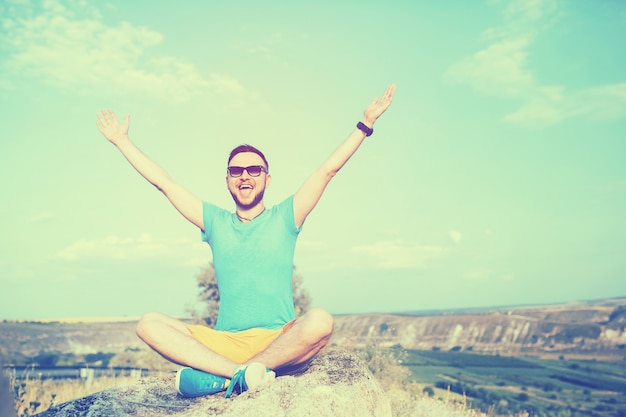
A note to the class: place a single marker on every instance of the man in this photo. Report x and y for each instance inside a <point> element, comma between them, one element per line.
<point>256,333</point>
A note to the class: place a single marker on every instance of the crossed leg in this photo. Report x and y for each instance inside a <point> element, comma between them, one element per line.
<point>171,338</point>
<point>308,335</point>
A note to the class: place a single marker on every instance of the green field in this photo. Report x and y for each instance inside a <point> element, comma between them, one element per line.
<point>507,385</point>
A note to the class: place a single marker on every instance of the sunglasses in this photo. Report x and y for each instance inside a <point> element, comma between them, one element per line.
<point>253,170</point>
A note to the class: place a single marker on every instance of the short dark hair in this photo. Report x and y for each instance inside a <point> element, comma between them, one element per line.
<point>247,148</point>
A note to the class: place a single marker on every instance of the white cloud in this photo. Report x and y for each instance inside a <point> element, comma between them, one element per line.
<point>507,277</point>
<point>478,273</point>
<point>547,106</point>
<point>502,69</point>
<point>138,248</point>
<point>264,46</point>
<point>487,274</point>
<point>530,11</point>
<point>552,104</point>
<point>498,69</point>
<point>455,235</point>
<point>84,54</point>
<point>604,102</point>
<point>614,187</point>
<point>398,254</point>
<point>44,216</point>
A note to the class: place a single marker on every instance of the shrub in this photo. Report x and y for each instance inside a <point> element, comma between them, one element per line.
<point>209,297</point>
<point>46,360</point>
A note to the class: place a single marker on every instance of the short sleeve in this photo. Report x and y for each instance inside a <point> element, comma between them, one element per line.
<point>287,213</point>
<point>209,211</point>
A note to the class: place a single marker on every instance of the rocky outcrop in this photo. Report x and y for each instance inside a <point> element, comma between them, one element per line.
<point>336,384</point>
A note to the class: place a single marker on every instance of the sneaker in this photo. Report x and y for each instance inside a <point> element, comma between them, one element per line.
<point>249,377</point>
<point>194,383</point>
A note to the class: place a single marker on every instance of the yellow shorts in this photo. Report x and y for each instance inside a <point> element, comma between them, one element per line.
<point>236,346</point>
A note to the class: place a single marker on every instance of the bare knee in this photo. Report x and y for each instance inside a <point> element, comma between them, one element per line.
<point>148,323</point>
<point>319,323</point>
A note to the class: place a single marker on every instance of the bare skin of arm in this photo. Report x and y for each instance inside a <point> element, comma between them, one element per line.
<point>184,201</point>
<point>309,194</point>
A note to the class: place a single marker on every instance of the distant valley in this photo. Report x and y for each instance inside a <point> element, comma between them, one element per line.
<point>596,328</point>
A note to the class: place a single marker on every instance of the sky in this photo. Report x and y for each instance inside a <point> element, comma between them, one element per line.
<point>497,177</point>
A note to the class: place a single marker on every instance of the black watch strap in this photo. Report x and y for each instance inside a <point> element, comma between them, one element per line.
<point>363,128</point>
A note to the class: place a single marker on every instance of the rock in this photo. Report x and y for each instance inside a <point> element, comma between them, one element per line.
<point>336,384</point>
<point>7,402</point>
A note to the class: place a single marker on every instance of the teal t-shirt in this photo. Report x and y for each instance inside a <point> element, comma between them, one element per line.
<point>253,265</point>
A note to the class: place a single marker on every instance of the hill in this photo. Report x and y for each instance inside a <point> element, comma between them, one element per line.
<point>586,328</point>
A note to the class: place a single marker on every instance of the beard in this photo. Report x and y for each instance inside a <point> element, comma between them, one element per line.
<point>247,206</point>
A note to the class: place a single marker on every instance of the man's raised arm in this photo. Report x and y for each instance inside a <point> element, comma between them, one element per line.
<point>185,202</point>
<point>311,191</point>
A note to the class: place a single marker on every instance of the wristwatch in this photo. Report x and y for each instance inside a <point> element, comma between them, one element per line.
<point>363,128</point>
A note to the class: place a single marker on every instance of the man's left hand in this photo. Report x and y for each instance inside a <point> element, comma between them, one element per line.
<point>378,106</point>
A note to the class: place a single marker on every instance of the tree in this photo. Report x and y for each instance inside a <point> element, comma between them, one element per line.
<point>301,297</point>
<point>209,296</point>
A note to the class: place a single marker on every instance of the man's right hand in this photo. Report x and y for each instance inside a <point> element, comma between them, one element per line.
<point>185,202</point>
<point>111,128</point>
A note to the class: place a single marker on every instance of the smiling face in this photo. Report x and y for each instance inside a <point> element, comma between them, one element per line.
<point>247,191</point>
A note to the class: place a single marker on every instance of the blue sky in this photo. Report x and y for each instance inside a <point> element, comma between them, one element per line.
<point>497,177</point>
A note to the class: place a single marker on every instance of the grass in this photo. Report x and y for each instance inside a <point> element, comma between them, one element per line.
<point>35,395</point>
<point>409,401</point>
<point>408,397</point>
<point>506,385</point>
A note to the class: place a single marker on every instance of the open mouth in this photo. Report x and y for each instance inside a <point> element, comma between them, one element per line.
<point>246,189</point>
